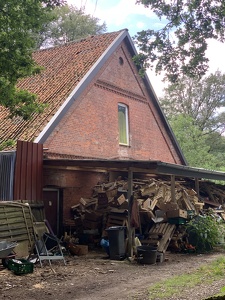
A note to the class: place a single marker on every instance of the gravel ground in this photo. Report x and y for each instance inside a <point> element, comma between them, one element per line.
<point>96,277</point>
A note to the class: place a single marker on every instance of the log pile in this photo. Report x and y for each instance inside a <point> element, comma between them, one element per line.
<point>159,214</point>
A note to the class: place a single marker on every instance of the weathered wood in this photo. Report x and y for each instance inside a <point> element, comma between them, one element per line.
<point>16,224</point>
<point>165,232</point>
<point>164,242</point>
<point>153,203</point>
<point>189,205</point>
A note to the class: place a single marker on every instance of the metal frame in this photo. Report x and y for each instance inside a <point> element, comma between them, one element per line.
<point>45,254</point>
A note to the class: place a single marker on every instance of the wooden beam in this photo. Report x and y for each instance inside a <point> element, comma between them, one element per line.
<point>197,186</point>
<point>173,196</point>
<point>130,196</point>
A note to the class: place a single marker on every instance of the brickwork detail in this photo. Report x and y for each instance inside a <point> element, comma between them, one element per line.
<point>117,90</point>
<point>90,128</point>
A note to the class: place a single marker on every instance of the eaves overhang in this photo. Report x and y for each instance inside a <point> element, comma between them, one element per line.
<point>138,166</point>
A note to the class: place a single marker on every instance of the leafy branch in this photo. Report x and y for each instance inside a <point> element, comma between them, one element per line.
<point>179,47</point>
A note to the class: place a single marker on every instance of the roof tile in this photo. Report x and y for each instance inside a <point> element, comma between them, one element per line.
<point>64,67</point>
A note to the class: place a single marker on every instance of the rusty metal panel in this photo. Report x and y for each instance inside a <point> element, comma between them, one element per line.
<point>28,183</point>
<point>7,163</point>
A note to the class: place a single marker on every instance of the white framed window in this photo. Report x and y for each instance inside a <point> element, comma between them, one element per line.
<point>123,124</point>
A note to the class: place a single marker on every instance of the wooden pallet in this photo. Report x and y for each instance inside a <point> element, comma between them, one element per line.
<point>160,236</point>
<point>117,220</point>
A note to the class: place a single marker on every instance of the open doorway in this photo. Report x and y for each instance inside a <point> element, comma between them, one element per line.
<point>53,204</point>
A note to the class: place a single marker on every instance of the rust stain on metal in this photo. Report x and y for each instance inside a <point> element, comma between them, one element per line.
<point>28,183</point>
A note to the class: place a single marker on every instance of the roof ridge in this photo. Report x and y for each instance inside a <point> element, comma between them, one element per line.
<point>79,40</point>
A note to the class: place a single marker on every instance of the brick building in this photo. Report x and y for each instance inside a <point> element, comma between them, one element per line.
<point>98,107</point>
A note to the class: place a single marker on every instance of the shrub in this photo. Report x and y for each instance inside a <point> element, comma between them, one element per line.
<point>203,232</point>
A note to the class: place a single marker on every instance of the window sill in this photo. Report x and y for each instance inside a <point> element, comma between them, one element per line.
<point>124,145</point>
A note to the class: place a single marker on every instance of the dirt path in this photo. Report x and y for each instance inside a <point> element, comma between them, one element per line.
<point>95,277</point>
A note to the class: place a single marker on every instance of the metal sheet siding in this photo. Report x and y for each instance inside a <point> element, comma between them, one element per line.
<point>28,184</point>
<point>7,163</point>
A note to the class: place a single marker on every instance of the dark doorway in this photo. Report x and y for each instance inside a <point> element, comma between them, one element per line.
<point>53,201</point>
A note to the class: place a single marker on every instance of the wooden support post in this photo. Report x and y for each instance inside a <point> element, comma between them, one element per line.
<point>197,186</point>
<point>130,229</point>
<point>173,196</point>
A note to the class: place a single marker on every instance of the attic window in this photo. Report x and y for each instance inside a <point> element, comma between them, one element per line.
<point>121,62</point>
<point>123,124</point>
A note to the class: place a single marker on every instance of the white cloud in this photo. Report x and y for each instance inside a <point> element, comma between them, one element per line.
<point>215,53</point>
<point>116,14</point>
<point>140,25</point>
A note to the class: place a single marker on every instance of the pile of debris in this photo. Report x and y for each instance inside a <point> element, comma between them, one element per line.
<point>159,214</point>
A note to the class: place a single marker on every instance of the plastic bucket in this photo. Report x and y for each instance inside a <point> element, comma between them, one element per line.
<point>146,254</point>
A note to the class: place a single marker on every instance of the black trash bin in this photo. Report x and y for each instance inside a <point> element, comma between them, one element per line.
<point>146,254</point>
<point>116,236</point>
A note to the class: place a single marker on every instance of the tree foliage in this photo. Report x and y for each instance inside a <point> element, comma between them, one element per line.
<point>192,142</point>
<point>202,100</point>
<point>67,23</point>
<point>196,112</point>
<point>17,19</point>
<point>179,46</point>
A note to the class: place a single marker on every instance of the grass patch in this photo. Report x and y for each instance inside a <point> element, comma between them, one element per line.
<point>175,285</point>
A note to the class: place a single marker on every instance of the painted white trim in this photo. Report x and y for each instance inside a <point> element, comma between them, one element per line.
<point>127,124</point>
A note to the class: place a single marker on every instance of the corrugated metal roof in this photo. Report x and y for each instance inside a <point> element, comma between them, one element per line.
<point>138,166</point>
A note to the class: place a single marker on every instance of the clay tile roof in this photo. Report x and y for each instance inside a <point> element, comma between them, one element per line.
<point>64,67</point>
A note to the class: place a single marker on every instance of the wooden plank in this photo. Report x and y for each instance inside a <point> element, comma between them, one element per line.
<point>189,205</point>
<point>14,233</point>
<point>164,242</point>
<point>115,222</point>
<point>173,197</point>
<point>113,217</point>
<point>4,227</point>
<point>17,226</point>
<point>165,227</point>
<point>165,232</point>
<point>153,203</point>
<point>14,218</point>
<point>149,242</point>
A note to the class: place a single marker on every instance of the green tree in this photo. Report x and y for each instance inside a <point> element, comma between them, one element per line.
<point>179,46</point>
<point>67,23</point>
<point>192,142</point>
<point>203,100</point>
<point>196,108</point>
<point>18,18</point>
<point>216,141</point>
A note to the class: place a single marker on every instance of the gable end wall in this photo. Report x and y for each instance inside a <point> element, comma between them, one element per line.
<point>90,128</point>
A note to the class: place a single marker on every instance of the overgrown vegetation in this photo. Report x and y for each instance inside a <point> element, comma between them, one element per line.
<point>175,285</point>
<point>7,144</point>
<point>204,232</point>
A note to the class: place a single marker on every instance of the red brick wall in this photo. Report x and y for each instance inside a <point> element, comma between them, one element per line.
<point>90,128</point>
<point>75,185</point>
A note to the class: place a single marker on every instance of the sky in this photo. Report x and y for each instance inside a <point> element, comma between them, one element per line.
<point>120,14</point>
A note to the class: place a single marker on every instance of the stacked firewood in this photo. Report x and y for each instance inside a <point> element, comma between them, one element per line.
<point>109,207</point>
